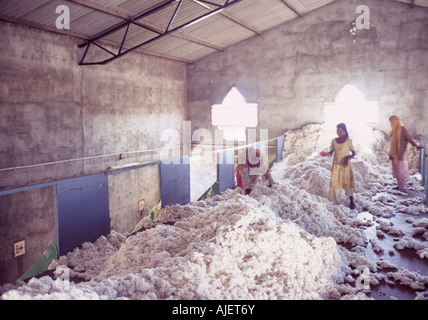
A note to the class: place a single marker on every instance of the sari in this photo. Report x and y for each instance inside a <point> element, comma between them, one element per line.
<point>400,137</point>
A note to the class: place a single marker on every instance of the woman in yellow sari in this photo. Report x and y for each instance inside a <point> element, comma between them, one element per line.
<point>342,175</point>
<point>400,137</point>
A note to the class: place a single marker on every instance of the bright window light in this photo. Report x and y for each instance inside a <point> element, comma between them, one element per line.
<point>234,133</point>
<point>234,98</point>
<point>234,115</point>
<point>349,94</point>
<point>352,108</point>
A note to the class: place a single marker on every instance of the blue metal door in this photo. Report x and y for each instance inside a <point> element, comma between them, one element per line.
<point>226,170</point>
<point>83,211</point>
<point>175,181</point>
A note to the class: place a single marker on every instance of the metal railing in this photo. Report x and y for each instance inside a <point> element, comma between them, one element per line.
<point>423,168</point>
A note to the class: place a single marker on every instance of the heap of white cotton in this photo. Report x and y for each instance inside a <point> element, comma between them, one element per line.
<point>277,243</point>
<point>232,247</point>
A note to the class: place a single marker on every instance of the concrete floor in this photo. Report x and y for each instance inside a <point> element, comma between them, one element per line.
<point>406,258</point>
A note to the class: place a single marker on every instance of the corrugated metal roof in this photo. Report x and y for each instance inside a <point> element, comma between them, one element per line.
<point>262,15</point>
<point>184,30</point>
<point>128,7</point>
<point>218,30</point>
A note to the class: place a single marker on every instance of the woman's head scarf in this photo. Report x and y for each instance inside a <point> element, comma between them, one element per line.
<point>343,127</point>
<point>395,134</point>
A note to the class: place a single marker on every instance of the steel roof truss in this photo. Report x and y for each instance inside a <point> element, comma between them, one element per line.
<point>160,34</point>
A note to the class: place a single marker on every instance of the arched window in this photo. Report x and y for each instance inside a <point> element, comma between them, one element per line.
<point>349,94</point>
<point>351,107</point>
<point>234,115</point>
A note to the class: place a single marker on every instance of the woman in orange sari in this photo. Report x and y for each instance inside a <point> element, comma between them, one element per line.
<point>400,137</point>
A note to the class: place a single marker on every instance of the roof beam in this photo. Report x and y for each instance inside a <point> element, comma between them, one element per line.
<point>143,51</point>
<point>181,35</point>
<point>243,24</point>
<point>102,9</point>
<point>166,32</point>
<point>149,26</point>
<point>69,33</point>
<point>197,41</point>
<point>174,15</point>
<point>127,20</point>
<point>43,27</point>
<point>212,6</point>
<point>292,8</point>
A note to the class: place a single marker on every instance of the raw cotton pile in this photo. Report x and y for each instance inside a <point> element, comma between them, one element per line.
<point>235,249</point>
<point>411,278</point>
<point>304,168</point>
<point>284,242</point>
<point>374,192</point>
<point>307,142</point>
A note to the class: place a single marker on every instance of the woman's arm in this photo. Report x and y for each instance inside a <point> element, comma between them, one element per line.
<point>407,136</point>
<point>326,154</point>
<point>347,158</point>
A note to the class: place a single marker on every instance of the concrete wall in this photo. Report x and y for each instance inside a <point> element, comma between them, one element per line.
<point>76,121</point>
<point>29,216</point>
<point>52,109</point>
<point>289,70</point>
<point>126,189</point>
